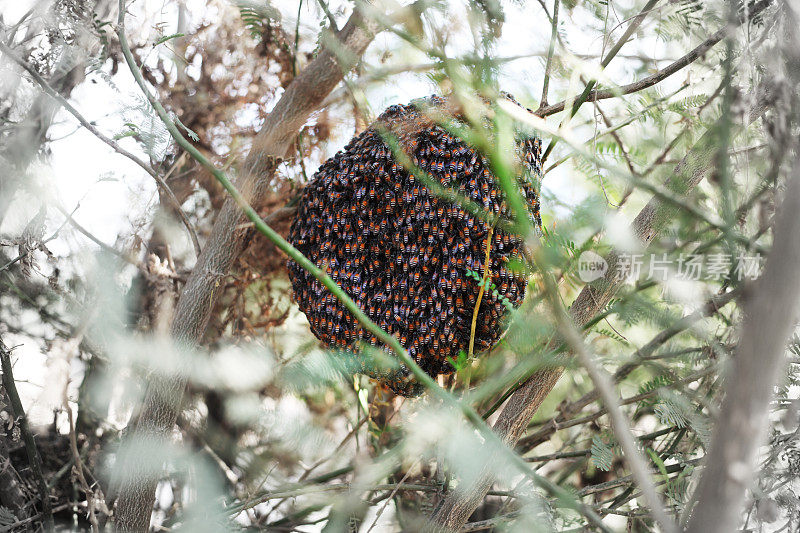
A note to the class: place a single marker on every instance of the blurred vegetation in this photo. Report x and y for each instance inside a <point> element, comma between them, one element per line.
<point>276,433</point>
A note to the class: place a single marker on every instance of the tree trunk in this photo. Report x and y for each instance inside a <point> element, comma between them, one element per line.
<point>163,397</point>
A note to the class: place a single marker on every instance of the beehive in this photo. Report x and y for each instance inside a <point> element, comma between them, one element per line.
<point>403,254</point>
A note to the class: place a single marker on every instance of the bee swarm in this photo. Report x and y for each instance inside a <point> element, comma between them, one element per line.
<point>402,253</point>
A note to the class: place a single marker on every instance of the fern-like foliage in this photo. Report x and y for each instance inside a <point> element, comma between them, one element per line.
<point>146,128</point>
<point>257,15</point>
<point>602,452</point>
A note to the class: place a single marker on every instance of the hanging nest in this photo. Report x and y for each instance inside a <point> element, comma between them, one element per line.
<point>411,261</point>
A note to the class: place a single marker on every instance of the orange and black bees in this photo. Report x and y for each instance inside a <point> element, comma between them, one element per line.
<point>403,254</point>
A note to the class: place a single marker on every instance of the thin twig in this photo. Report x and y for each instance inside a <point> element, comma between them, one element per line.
<point>549,65</point>
<point>391,495</point>
<point>489,523</point>
<point>45,241</point>
<point>653,79</point>
<point>631,454</point>
<point>72,344</point>
<point>646,352</point>
<point>110,249</point>
<point>586,453</point>
<point>16,525</point>
<point>614,135</point>
<point>620,481</point>
<point>551,426</point>
<point>578,102</point>
<point>328,14</point>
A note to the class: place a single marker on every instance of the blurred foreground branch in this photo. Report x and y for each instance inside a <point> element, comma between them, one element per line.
<point>110,142</point>
<point>305,94</point>
<point>770,311</point>
<point>456,508</point>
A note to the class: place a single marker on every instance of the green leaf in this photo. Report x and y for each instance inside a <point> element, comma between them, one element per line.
<point>168,38</point>
<point>7,517</point>
<point>458,362</point>
<point>119,136</point>
<point>670,413</point>
<point>658,462</point>
<point>192,135</point>
<point>677,490</point>
<point>612,335</point>
<point>602,453</point>
<point>657,382</point>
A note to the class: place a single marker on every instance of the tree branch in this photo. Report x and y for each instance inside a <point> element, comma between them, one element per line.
<point>578,102</point>
<point>622,431</point>
<point>770,311</point>
<point>642,354</point>
<point>52,93</point>
<point>34,459</point>
<point>227,241</point>
<point>550,50</point>
<point>456,508</point>
<point>653,79</point>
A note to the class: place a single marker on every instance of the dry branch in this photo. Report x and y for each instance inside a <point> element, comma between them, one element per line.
<point>34,459</point>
